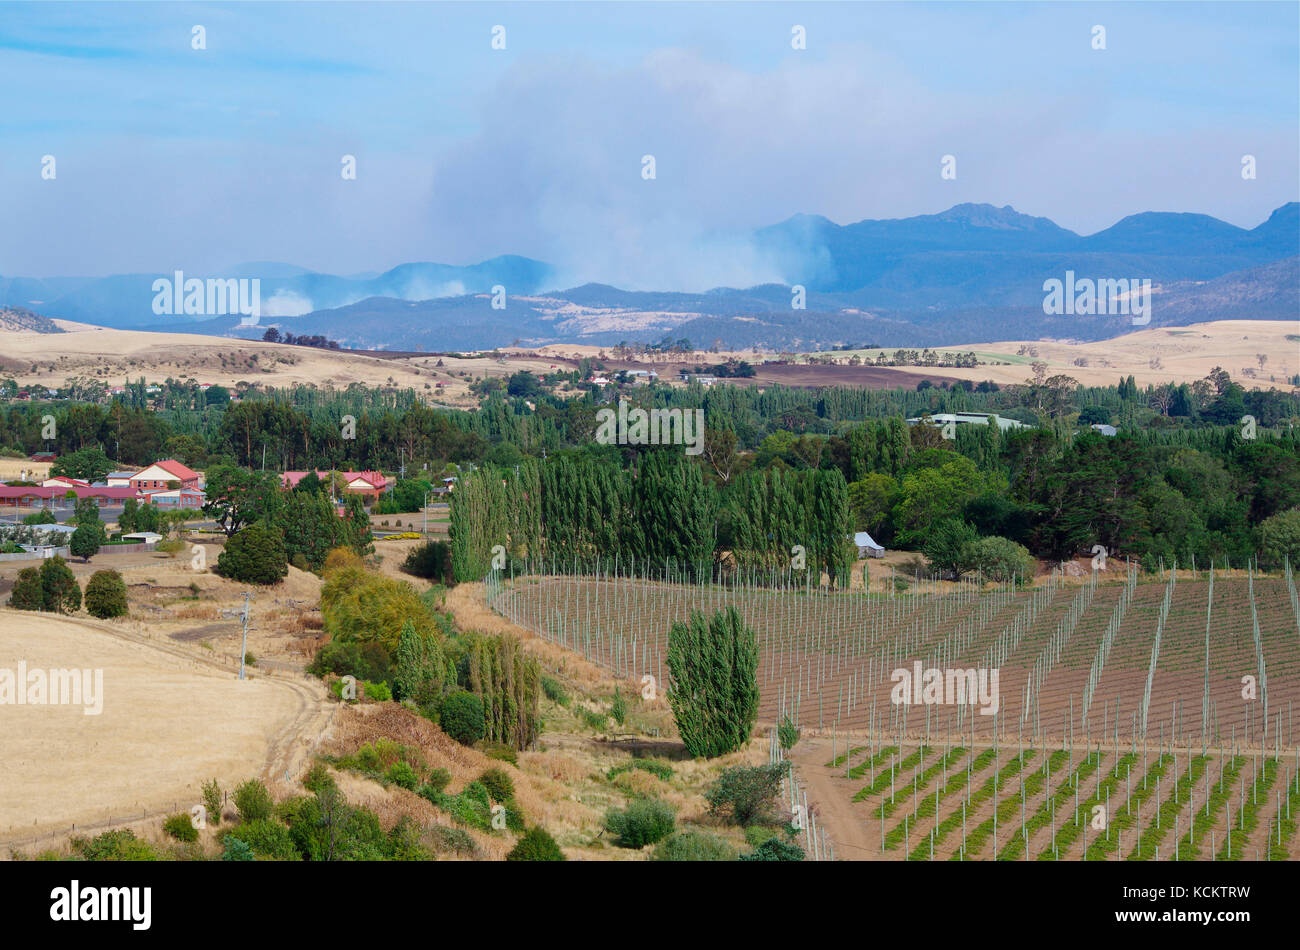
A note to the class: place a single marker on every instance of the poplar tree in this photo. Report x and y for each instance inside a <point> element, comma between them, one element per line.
<point>713,665</point>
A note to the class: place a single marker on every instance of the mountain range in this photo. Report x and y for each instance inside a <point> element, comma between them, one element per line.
<point>973,273</point>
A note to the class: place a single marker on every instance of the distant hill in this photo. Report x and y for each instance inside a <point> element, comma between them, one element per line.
<point>974,272</point>
<point>16,319</point>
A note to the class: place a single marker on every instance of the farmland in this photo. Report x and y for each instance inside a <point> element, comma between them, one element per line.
<point>1125,693</point>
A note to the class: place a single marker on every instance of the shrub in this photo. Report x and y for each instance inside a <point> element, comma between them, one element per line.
<point>253,801</point>
<point>438,781</point>
<point>59,590</point>
<point>555,691</point>
<point>1000,559</point>
<point>118,845</point>
<point>378,692</point>
<point>618,707</point>
<point>693,846</point>
<point>299,561</point>
<point>268,838</point>
<point>106,595</point>
<point>237,850</point>
<point>404,841</point>
<point>745,794</point>
<point>27,593</point>
<point>643,822</point>
<point>212,801</point>
<point>181,828</point>
<point>499,785</point>
<point>594,720</point>
<point>461,717</point>
<point>1279,540</point>
<point>402,775</point>
<point>255,555</point>
<point>432,561</point>
<point>714,667</point>
<point>787,733</point>
<point>774,849</point>
<point>536,844</point>
<point>452,840</point>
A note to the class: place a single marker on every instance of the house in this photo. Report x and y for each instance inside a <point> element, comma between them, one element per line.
<point>866,546</point>
<point>183,498</point>
<point>159,475</point>
<point>1103,429</point>
<point>63,481</point>
<point>118,479</point>
<point>42,457</point>
<point>970,418</point>
<point>368,484</point>
<point>599,381</point>
<point>143,537</point>
<point>55,496</point>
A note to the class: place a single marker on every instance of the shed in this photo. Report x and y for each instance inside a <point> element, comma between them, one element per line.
<point>866,546</point>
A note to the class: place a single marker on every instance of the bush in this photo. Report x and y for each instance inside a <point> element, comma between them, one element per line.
<point>438,781</point>
<point>787,733</point>
<point>237,850</point>
<point>499,785</point>
<point>212,801</point>
<point>1000,559</point>
<point>618,707</point>
<point>745,794</point>
<point>106,595</point>
<point>378,692</point>
<point>643,822</point>
<point>253,801</point>
<point>267,838</point>
<point>461,717</point>
<point>774,849</point>
<point>299,561</point>
<point>554,691</point>
<point>714,667</point>
<point>118,845</point>
<point>432,561</point>
<point>254,555</point>
<point>181,828</point>
<point>501,752</point>
<point>402,775</point>
<point>452,840</point>
<point>693,846</point>
<point>536,844</point>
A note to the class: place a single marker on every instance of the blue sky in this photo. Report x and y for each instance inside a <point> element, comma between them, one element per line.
<point>169,157</point>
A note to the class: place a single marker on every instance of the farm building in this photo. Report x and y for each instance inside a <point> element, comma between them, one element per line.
<point>971,418</point>
<point>866,546</point>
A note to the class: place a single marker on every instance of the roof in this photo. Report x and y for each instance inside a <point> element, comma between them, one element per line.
<point>143,536</point>
<point>59,491</point>
<point>182,472</point>
<point>291,479</point>
<point>120,475</point>
<point>1104,429</point>
<point>863,540</point>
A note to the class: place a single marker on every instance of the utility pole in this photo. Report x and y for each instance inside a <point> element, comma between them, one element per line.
<point>243,615</point>
<point>426,513</point>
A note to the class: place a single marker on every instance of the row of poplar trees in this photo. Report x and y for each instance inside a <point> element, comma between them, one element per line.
<point>582,510</point>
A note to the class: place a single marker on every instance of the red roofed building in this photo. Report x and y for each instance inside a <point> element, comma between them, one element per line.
<point>158,476</point>
<point>369,484</point>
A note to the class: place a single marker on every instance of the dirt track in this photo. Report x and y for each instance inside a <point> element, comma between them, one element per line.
<point>170,720</point>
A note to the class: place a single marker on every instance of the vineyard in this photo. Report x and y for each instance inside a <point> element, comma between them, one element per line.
<point>1134,717</point>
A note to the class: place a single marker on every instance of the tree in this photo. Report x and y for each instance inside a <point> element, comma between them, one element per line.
<point>237,496</point>
<point>126,520</point>
<point>432,561</point>
<point>106,595</point>
<point>59,590</point>
<point>999,559</point>
<point>946,546</point>
<point>461,717</point>
<point>1279,540</point>
<point>713,663</point>
<point>27,593</point>
<point>86,540</point>
<point>254,555</point>
<point>422,672</point>
<point>88,465</point>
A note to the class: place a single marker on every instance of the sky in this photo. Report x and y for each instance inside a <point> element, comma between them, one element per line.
<point>169,157</point>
